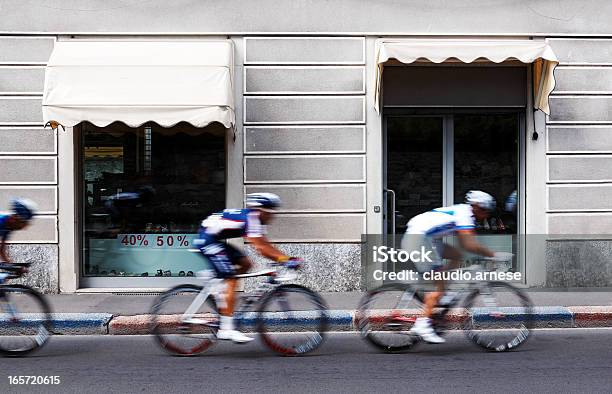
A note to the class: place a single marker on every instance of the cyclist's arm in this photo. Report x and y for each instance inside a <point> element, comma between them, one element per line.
<point>266,249</point>
<point>467,239</point>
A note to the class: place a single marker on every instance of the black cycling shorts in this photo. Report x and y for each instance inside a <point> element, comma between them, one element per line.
<point>221,255</point>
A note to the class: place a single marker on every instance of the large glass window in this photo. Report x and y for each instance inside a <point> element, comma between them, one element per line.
<point>414,167</point>
<point>486,150</point>
<point>434,159</point>
<point>144,192</point>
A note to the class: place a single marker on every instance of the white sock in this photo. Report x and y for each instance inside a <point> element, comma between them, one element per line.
<point>226,323</point>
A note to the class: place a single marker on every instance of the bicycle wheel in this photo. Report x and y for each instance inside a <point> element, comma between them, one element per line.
<point>25,320</point>
<point>292,320</point>
<point>386,315</point>
<point>499,316</point>
<point>177,336</point>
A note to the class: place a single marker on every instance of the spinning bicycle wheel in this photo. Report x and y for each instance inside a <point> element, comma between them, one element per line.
<point>500,317</point>
<point>386,315</point>
<point>25,320</point>
<point>173,333</point>
<point>292,306</point>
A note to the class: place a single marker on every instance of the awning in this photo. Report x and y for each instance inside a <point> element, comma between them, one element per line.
<point>140,81</point>
<point>468,51</point>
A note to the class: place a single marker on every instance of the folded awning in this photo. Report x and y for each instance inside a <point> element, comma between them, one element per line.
<point>468,51</point>
<point>140,81</point>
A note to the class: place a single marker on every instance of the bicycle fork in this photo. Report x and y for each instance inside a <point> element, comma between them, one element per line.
<point>8,307</point>
<point>490,303</point>
<point>42,334</point>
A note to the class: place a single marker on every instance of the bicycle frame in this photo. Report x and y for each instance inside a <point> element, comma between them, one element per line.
<point>212,285</point>
<point>464,290</point>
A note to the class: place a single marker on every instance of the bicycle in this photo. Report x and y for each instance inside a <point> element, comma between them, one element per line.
<point>185,319</point>
<point>491,322</point>
<point>25,315</point>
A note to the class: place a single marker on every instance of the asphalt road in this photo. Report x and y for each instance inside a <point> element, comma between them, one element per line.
<point>554,361</point>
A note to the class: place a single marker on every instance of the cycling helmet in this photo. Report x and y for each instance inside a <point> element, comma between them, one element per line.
<point>24,208</point>
<point>511,202</point>
<point>480,198</point>
<point>262,200</point>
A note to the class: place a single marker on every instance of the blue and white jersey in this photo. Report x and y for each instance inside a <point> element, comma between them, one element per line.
<point>443,221</point>
<point>4,232</point>
<point>233,223</point>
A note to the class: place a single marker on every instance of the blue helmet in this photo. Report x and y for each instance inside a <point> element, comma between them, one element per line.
<point>511,202</point>
<point>25,209</point>
<point>263,200</point>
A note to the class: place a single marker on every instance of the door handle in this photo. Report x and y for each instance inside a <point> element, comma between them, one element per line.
<point>392,193</point>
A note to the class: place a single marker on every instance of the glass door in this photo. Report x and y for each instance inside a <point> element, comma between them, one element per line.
<point>433,160</point>
<point>486,157</point>
<point>414,152</point>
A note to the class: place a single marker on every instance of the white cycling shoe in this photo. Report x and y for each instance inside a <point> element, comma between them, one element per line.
<point>422,327</point>
<point>227,332</point>
<point>234,336</point>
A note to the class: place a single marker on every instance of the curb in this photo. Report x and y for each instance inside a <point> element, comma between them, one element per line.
<point>591,316</point>
<point>71,323</point>
<point>344,320</point>
<point>339,320</point>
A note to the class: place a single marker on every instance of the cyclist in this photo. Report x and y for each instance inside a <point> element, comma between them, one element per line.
<point>22,212</point>
<point>228,261</point>
<point>124,205</point>
<point>428,229</point>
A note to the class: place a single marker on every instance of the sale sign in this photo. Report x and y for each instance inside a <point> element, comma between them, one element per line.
<point>159,241</point>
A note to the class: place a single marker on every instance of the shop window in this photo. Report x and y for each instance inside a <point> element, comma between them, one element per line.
<point>486,151</point>
<point>145,191</point>
<point>433,159</point>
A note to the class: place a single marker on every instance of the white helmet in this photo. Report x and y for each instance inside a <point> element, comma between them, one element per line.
<point>480,198</point>
<point>263,200</point>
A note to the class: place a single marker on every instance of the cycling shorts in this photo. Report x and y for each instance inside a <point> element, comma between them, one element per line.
<point>222,256</point>
<point>414,242</point>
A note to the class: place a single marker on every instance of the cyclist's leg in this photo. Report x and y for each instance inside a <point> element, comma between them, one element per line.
<point>216,253</point>
<point>242,265</point>
<point>423,326</point>
<point>223,257</point>
<point>447,252</point>
<point>453,255</point>
<point>432,298</point>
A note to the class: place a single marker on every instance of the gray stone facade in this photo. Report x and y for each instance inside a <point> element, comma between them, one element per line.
<point>43,274</point>
<point>306,128</point>
<point>578,264</point>
<point>327,267</point>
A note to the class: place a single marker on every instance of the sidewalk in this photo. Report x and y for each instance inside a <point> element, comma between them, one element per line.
<point>127,304</point>
<point>127,314</point>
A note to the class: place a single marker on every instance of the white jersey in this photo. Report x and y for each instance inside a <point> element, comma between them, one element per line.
<point>442,221</point>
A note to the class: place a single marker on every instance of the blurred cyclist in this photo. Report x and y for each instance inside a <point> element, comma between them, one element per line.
<point>428,229</point>
<point>228,261</point>
<point>22,212</point>
<point>123,206</point>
